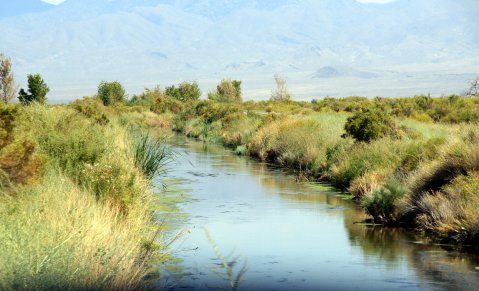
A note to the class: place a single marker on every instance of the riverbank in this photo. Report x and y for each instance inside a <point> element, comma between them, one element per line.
<point>293,235</point>
<point>422,176</point>
<point>76,206</point>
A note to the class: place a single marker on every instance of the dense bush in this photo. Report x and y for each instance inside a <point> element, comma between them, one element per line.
<point>186,91</point>
<point>369,125</point>
<point>92,108</point>
<point>19,161</point>
<point>449,109</point>
<point>212,111</point>
<point>111,92</point>
<point>227,91</point>
<point>382,203</point>
<point>165,103</point>
<point>147,98</point>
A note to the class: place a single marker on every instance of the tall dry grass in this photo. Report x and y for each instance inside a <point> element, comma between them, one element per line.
<point>55,235</point>
<point>85,223</point>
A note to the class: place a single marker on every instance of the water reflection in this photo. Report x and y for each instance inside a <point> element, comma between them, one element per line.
<point>297,235</point>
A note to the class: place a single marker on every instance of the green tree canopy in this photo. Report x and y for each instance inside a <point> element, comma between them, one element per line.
<point>227,91</point>
<point>185,91</point>
<point>37,91</point>
<point>111,92</point>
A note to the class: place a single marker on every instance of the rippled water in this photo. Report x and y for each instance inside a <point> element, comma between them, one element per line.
<point>250,219</point>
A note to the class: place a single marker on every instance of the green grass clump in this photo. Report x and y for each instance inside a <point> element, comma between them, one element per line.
<point>362,158</point>
<point>151,155</point>
<point>382,203</point>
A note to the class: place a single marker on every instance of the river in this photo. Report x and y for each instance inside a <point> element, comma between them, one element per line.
<point>251,226</point>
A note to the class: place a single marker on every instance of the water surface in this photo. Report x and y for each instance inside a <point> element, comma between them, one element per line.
<point>282,235</point>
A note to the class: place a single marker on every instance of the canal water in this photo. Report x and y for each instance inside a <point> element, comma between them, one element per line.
<point>252,226</point>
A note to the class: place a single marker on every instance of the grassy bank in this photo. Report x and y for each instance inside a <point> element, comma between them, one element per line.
<point>75,204</point>
<point>420,169</point>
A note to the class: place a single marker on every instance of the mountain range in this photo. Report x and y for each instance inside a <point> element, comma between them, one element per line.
<point>322,47</point>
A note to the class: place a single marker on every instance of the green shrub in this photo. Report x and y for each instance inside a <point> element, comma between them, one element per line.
<point>147,98</point>
<point>111,92</point>
<point>462,116</point>
<point>165,104</point>
<point>92,108</point>
<point>212,111</point>
<point>369,125</point>
<point>227,91</point>
<point>74,144</point>
<point>382,204</point>
<point>19,161</point>
<point>186,91</point>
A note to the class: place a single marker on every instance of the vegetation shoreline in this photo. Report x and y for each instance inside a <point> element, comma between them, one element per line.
<point>77,200</point>
<point>409,162</point>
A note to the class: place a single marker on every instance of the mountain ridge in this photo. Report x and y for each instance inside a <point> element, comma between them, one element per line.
<point>146,42</point>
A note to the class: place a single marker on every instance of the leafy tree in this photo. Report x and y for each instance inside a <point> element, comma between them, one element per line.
<point>473,89</point>
<point>37,91</point>
<point>111,92</point>
<point>281,93</point>
<point>369,125</point>
<point>186,91</point>
<point>227,91</point>
<point>7,82</point>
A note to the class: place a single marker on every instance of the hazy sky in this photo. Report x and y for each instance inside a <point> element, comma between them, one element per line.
<point>53,1</point>
<point>362,1</point>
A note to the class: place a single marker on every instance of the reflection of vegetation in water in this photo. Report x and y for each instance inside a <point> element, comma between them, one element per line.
<point>172,219</point>
<point>432,263</point>
<point>227,265</point>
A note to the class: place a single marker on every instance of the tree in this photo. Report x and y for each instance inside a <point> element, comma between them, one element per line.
<point>186,91</point>
<point>227,91</point>
<point>7,81</point>
<point>111,92</point>
<point>37,89</point>
<point>473,89</point>
<point>281,93</point>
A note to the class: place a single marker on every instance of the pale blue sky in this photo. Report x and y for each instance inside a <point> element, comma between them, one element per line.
<point>362,1</point>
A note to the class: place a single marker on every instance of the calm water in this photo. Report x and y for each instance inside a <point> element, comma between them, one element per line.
<point>247,218</point>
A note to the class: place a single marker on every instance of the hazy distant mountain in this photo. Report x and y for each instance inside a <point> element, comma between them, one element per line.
<point>330,72</point>
<point>404,47</point>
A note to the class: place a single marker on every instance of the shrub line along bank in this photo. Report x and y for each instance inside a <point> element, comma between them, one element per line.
<point>410,162</point>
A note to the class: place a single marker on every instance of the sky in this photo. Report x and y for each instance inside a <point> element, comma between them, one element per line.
<point>362,1</point>
<point>53,1</point>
